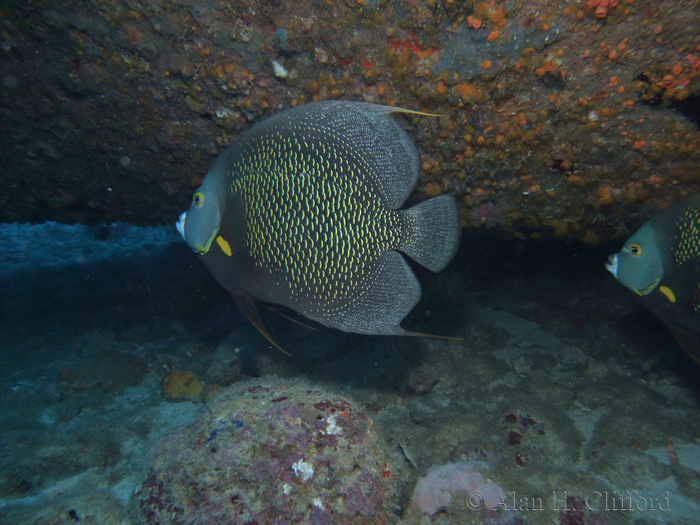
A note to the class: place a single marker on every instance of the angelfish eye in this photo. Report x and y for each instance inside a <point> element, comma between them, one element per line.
<point>635,250</point>
<point>198,199</point>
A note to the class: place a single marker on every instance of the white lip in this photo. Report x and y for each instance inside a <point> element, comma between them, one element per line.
<point>612,265</point>
<point>180,224</point>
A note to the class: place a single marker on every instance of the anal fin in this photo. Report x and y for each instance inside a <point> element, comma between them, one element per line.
<point>247,307</point>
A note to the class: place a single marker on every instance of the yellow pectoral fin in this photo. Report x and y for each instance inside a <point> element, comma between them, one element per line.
<point>668,293</point>
<point>224,245</point>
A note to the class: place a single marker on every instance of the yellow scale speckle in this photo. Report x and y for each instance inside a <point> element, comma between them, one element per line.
<point>310,215</point>
<point>688,246</point>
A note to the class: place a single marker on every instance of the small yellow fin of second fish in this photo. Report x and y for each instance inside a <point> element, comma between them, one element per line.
<point>668,293</point>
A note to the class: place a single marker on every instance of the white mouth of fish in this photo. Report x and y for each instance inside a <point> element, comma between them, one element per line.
<point>180,224</point>
<point>612,265</point>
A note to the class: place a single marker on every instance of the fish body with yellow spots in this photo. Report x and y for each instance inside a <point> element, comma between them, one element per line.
<point>661,264</point>
<point>303,210</point>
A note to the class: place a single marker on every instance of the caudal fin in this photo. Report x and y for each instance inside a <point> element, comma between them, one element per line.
<point>434,232</point>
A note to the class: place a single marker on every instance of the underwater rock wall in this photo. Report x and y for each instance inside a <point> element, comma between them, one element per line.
<point>572,119</point>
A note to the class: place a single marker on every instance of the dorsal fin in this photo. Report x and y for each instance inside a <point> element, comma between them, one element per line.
<point>369,131</point>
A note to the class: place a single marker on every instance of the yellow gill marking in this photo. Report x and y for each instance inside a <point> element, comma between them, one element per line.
<point>668,293</point>
<point>224,245</point>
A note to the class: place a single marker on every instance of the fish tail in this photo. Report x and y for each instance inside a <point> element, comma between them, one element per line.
<point>433,232</point>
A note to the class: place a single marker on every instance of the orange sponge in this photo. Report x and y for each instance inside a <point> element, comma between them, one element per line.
<point>182,385</point>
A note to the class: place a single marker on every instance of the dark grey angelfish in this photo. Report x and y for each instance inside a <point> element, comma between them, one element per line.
<point>661,264</point>
<point>303,211</point>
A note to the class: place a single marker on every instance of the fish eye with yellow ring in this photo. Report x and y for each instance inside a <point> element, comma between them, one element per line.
<point>198,199</point>
<point>635,250</point>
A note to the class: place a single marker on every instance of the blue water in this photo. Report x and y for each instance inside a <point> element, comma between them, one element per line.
<point>561,383</point>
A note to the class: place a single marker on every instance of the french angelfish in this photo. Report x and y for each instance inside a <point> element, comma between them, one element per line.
<point>303,211</point>
<point>661,264</point>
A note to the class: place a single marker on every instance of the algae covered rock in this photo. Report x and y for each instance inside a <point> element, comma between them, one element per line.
<point>275,450</point>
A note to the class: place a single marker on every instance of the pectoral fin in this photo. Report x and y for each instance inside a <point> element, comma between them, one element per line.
<point>247,307</point>
<point>289,318</point>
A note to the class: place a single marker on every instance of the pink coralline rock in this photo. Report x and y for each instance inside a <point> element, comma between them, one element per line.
<point>435,490</point>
